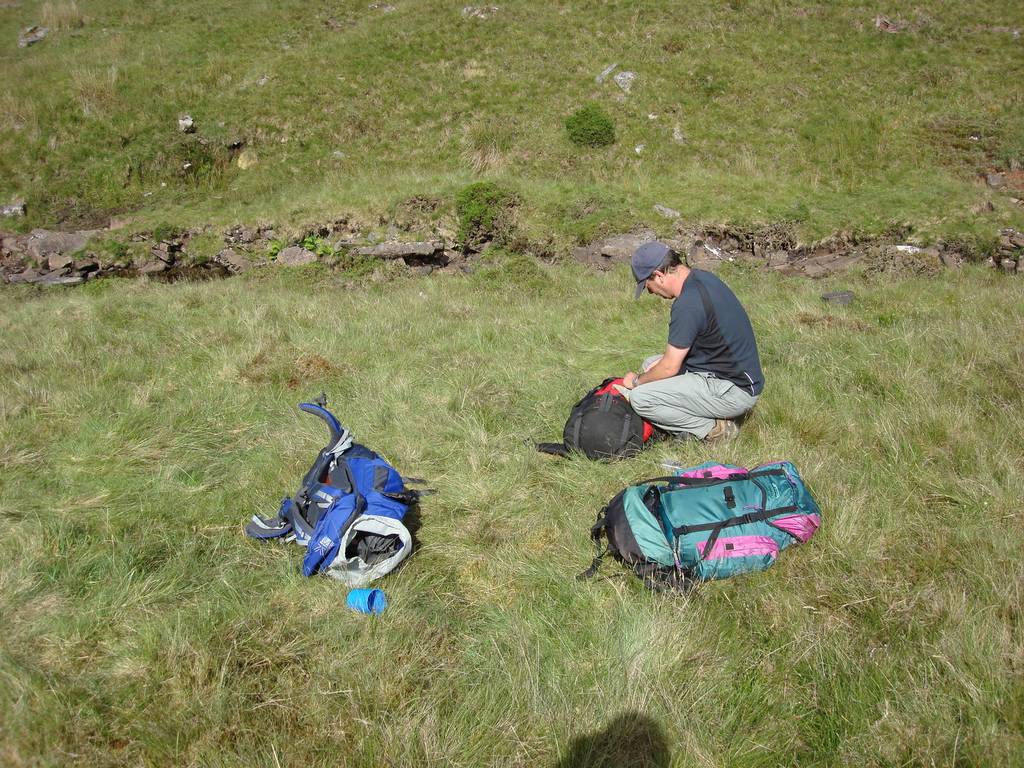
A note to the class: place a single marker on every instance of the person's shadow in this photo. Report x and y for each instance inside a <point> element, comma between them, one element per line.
<point>631,740</point>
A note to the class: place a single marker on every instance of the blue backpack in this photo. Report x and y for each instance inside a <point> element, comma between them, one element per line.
<point>348,511</point>
<point>706,522</point>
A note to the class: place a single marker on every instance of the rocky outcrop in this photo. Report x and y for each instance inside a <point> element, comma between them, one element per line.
<point>69,258</point>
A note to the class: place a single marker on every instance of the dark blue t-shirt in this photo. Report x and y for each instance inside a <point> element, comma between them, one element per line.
<point>720,338</point>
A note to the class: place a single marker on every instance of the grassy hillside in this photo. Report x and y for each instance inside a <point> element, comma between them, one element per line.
<point>746,111</point>
<point>141,424</point>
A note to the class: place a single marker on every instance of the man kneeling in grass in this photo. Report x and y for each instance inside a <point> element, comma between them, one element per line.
<point>710,372</point>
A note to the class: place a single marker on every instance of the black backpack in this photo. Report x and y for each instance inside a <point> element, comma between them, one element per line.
<point>603,425</point>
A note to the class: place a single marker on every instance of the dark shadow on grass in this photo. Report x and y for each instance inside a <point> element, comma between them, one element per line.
<point>631,740</point>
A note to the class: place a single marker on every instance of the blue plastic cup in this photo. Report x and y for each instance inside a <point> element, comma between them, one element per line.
<point>367,600</point>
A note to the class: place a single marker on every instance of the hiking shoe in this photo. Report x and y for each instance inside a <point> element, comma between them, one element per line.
<point>724,429</point>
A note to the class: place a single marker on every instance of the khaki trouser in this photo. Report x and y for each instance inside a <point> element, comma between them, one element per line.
<point>690,402</point>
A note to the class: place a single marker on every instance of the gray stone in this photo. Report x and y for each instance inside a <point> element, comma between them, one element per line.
<point>625,80</point>
<point>668,213</point>
<point>85,266</point>
<point>994,179</point>
<point>295,256</point>
<point>382,7</point>
<point>59,262</point>
<point>235,262</point>
<point>1017,239</point>
<point>605,72</point>
<point>28,275</point>
<point>479,11</point>
<point>55,278</point>
<point>31,36</point>
<point>621,247</point>
<point>154,267</point>
<point>950,260</point>
<point>677,134</point>
<point>13,209</point>
<point>425,249</point>
<point>164,252</point>
<point>838,297</point>
<point>43,243</point>
<point>186,124</point>
<point>1008,265</point>
<point>12,244</point>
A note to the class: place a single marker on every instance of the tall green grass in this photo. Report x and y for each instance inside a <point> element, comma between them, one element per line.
<point>141,425</point>
<point>790,110</point>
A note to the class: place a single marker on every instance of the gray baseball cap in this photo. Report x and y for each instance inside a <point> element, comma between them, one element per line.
<point>646,260</point>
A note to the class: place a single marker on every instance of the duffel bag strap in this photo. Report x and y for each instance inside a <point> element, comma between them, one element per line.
<point>595,533</point>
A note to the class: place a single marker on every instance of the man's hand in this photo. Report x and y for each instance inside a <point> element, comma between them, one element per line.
<point>629,380</point>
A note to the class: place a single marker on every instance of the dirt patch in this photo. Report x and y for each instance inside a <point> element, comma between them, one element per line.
<point>416,213</point>
<point>831,321</point>
<point>311,367</point>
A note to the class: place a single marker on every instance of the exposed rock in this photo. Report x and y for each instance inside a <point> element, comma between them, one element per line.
<point>625,80</point>
<point>838,297</point>
<point>86,266</point>
<point>42,243</point>
<point>668,213</point>
<point>677,134</point>
<point>295,256</point>
<point>246,159</point>
<point>1016,238</point>
<point>12,244</point>
<point>994,180</point>
<point>235,262</point>
<point>31,36</point>
<point>950,259</point>
<point>824,264</point>
<point>382,7</point>
<point>884,24</point>
<point>1008,265</point>
<point>166,251</point>
<point>13,209</point>
<point>479,11</point>
<point>186,124</point>
<point>605,72</point>
<point>58,263</point>
<point>420,250</point>
<point>55,278</point>
<point>28,275</point>
<point>154,267</point>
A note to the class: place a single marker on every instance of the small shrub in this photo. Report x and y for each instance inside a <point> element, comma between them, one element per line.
<point>318,245</point>
<point>484,212</point>
<point>590,126</point>
<point>275,247</point>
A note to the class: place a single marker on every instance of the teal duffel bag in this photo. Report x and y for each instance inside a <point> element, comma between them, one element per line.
<point>706,522</point>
